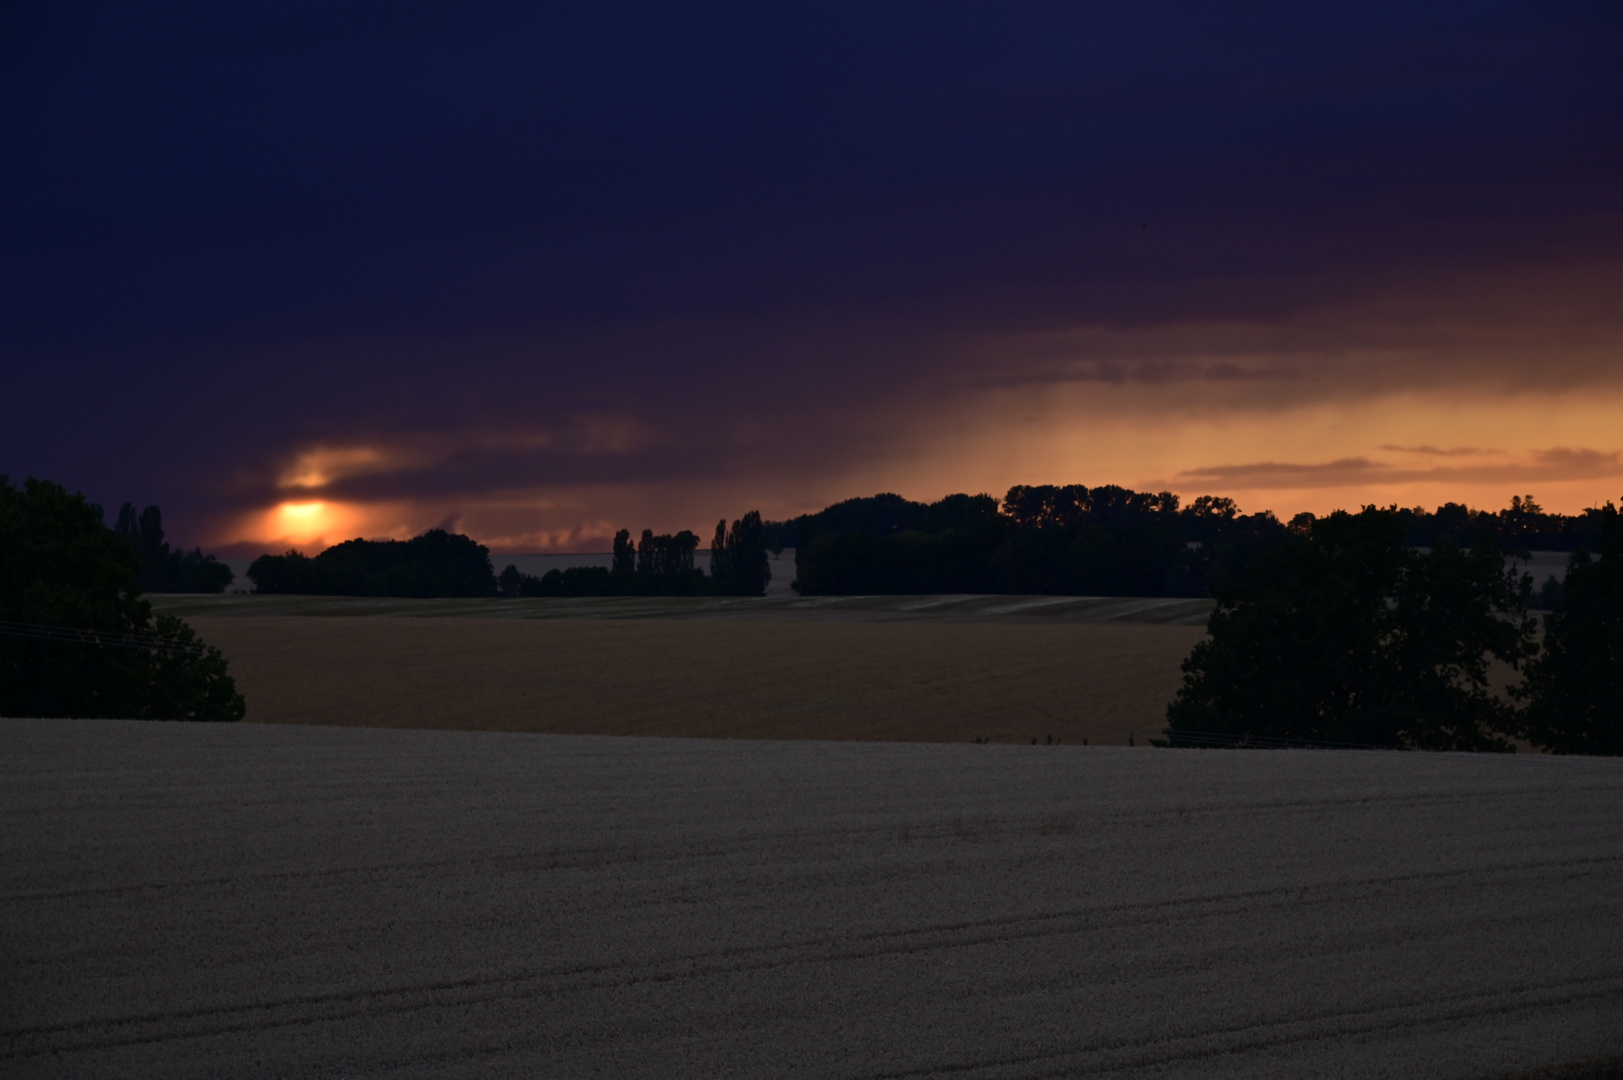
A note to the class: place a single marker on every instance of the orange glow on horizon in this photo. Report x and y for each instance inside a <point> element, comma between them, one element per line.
<point>307,526</point>
<point>1410,449</point>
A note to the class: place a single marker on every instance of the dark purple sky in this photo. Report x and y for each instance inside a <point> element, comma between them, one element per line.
<point>538,270</point>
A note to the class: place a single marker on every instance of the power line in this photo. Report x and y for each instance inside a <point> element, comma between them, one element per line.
<point>83,636</point>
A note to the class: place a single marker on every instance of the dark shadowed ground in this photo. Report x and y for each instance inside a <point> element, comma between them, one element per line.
<point>276,901</point>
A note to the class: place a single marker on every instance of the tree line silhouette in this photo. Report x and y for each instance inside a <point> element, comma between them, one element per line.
<point>1042,539</point>
<point>661,566</point>
<point>162,570</point>
<point>442,564</point>
<point>1102,541</point>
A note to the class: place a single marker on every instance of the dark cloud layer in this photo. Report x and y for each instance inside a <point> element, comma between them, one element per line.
<point>1557,463</point>
<point>543,246</point>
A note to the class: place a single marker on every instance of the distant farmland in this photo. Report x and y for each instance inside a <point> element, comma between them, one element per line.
<point>943,669</point>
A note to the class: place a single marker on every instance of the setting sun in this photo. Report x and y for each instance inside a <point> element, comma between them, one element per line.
<point>304,524</point>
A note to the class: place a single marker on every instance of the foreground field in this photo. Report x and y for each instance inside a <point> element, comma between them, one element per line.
<point>910,669</point>
<point>190,901</point>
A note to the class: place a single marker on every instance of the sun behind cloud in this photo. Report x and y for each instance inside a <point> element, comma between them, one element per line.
<point>313,524</point>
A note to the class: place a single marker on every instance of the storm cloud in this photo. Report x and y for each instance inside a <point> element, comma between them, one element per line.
<point>537,270</point>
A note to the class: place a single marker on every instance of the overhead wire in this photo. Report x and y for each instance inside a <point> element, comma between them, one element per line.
<point>112,639</point>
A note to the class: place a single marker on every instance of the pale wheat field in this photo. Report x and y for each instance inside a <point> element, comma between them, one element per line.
<point>282,901</point>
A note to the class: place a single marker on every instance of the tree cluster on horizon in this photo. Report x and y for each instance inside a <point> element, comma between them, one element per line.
<point>163,570</point>
<point>738,557</point>
<point>661,565</point>
<point>657,565</point>
<point>1041,539</point>
<point>1102,541</point>
<point>436,564</point>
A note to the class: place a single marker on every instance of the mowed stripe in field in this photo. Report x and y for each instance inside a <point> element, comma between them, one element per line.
<point>269,901</point>
<point>1168,611</point>
<point>907,680</point>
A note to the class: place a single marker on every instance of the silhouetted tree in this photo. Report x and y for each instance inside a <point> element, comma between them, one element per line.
<point>1104,541</point>
<point>507,581</point>
<point>625,555</point>
<point>738,560</point>
<point>512,582</point>
<point>1107,541</point>
<point>1040,505</point>
<point>666,555</point>
<point>1522,520</point>
<point>292,573</point>
<point>673,555</point>
<point>436,563</point>
<point>1551,596</point>
<point>163,570</point>
<point>581,581</point>
<point>1351,636</point>
<point>645,552</point>
<point>1522,526</point>
<point>886,544</point>
<point>76,639</point>
<point>1574,689</point>
<point>720,567</point>
<point>1454,613</point>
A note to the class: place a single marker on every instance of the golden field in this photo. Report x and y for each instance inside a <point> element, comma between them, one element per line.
<point>903,669</point>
